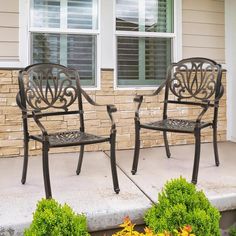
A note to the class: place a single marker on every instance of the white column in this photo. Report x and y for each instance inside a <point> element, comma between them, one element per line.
<point>230,39</point>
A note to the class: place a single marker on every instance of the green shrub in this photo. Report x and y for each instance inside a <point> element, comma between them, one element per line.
<point>232,231</point>
<point>181,204</point>
<point>53,219</point>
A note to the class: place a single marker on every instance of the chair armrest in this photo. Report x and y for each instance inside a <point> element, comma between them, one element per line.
<point>110,108</point>
<point>221,93</point>
<point>139,98</point>
<point>36,116</point>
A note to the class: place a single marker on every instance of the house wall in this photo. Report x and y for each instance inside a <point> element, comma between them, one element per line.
<point>203,34</point>
<point>9,30</point>
<point>204,29</point>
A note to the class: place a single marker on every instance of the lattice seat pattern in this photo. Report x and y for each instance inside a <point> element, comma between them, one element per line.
<point>178,125</point>
<point>71,138</point>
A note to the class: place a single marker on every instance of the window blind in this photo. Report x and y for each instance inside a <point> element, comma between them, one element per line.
<point>143,60</point>
<point>73,50</point>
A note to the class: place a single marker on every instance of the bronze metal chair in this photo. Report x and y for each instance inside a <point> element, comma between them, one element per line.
<point>48,89</point>
<point>192,81</point>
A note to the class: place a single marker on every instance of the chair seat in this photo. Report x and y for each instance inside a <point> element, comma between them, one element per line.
<point>71,138</point>
<point>175,125</point>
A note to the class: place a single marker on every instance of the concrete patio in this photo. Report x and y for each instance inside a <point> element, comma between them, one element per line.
<point>92,193</point>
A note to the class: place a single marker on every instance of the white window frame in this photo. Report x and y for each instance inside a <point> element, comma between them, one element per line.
<point>176,36</point>
<point>26,30</point>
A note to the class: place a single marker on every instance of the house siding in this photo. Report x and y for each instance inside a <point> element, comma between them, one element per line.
<point>203,35</point>
<point>9,30</point>
<point>203,29</point>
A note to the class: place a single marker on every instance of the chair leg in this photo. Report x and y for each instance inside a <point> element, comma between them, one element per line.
<point>217,162</point>
<point>113,163</point>
<point>136,148</point>
<point>46,175</point>
<point>166,144</point>
<point>25,163</point>
<point>197,155</point>
<point>81,155</point>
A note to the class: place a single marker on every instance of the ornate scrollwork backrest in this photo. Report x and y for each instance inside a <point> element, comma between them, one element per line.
<point>195,78</point>
<point>48,86</point>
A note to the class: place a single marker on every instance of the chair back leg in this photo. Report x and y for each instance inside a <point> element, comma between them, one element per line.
<point>166,144</point>
<point>81,155</point>
<point>46,175</point>
<point>197,134</point>
<point>113,162</point>
<point>136,148</point>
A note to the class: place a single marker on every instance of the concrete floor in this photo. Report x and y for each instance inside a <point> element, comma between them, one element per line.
<point>92,193</point>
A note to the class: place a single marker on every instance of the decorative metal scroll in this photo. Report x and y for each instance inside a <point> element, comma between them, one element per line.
<point>195,80</point>
<point>50,87</point>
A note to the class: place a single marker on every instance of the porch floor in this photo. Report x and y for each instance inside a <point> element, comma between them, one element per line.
<point>92,192</point>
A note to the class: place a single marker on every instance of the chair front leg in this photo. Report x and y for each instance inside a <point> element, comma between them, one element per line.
<point>197,134</point>
<point>46,175</point>
<point>166,144</point>
<point>217,162</point>
<point>25,163</point>
<point>81,154</point>
<point>136,148</point>
<point>113,162</point>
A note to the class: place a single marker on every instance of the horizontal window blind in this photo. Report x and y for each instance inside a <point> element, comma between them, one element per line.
<point>45,13</point>
<point>75,50</point>
<point>78,52</point>
<point>80,14</point>
<point>145,66</point>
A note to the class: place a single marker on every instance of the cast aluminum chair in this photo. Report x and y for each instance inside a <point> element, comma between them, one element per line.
<point>192,81</point>
<point>48,89</point>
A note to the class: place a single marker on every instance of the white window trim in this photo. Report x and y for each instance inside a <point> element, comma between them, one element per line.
<point>177,43</point>
<point>23,40</point>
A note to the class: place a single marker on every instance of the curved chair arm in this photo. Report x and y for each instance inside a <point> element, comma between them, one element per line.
<point>221,93</point>
<point>205,108</point>
<point>139,98</point>
<point>36,116</point>
<point>110,108</point>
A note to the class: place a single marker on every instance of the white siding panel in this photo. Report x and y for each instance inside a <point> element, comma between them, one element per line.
<point>214,53</point>
<point>9,5</point>
<point>9,34</point>
<point>203,5</point>
<point>9,30</point>
<point>8,50</point>
<point>204,41</point>
<point>203,17</point>
<point>203,29</point>
<point>9,19</point>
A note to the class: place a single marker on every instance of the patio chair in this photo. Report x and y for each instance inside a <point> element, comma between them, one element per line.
<point>48,89</point>
<point>195,82</point>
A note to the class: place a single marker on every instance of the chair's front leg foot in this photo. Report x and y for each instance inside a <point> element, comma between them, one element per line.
<point>25,163</point>
<point>81,154</point>
<point>197,134</point>
<point>46,175</point>
<point>136,148</point>
<point>113,162</point>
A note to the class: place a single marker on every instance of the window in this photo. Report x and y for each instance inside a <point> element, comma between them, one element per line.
<point>66,32</point>
<point>144,39</point>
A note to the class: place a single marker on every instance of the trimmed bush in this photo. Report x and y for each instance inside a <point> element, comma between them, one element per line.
<point>232,231</point>
<point>53,219</point>
<point>181,204</point>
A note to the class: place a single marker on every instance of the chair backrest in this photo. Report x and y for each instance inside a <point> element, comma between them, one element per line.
<point>193,81</point>
<point>46,86</point>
